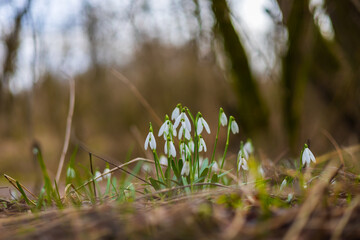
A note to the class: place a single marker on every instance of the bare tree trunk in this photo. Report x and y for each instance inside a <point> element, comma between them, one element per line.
<point>253,114</point>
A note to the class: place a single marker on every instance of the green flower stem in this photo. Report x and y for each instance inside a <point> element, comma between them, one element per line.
<point>227,142</point>
<point>216,140</point>
<point>157,165</point>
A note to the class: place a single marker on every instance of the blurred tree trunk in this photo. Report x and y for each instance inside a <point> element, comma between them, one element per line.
<point>12,43</point>
<point>296,63</point>
<point>345,17</point>
<point>253,114</point>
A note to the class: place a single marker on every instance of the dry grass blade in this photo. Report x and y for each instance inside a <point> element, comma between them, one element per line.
<point>345,219</point>
<point>315,195</point>
<point>12,181</point>
<point>68,128</point>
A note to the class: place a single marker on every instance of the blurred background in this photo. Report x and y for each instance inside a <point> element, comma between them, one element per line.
<point>287,70</point>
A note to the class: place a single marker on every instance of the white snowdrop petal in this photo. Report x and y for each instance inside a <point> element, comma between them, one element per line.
<point>175,113</point>
<point>166,148</point>
<point>223,119</point>
<point>162,129</point>
<point>147,141</point>
<point>234,127</point>
<point>206,125</point>
<point>199,127</point>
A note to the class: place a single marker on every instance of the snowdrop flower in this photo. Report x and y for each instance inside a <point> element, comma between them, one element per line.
<point>186,169</point>
<point>176,112</point>
<point>191,146</point>
<point>248,148</point>
<point>70,173</point>
<point>182,130</point>
<point>163,160</point>
<point>242,164</point>
<point>223,118</point>
<point>261,171</point>
<point>150,140</point>
<point>201,124</point>
<point>107,173</point>
<point>283,184</point>
<point>234,126</point>
<point>146,168</point>
<point>185,151</point>
<point>215,167</point>
<point>97,176</point>
<point>307,156</point>
<point>183,118</point>
<point>171,151</point>
<point>202,145</point>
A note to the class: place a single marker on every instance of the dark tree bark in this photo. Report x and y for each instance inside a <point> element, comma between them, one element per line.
<point>253,114</point>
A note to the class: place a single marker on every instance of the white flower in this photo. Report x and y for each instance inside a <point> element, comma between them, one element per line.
<point>70,173</point>
<point>146,168</point>
<point>150,141</point>
<point>202,145</point>
<point>180,118</point>
<point>186,169</point>
<point>215,167</point>
<point>223,119</point>
<point>164,128</point>
<point>176,112</point>
<point>283,184</point>
<point>234,127</point>
<point>182,130</point>
<point>201,124</point>
<point>97,176</point>
<point>248,148</point>
<point>261,171</point>
<point>172,151</point>
<point>184,151</point>
<point>163,160</point>
<point>307,156</point>
<point>191,146</point>
<point>242,164</point>
<point>243,153</point>
<point>107,173</point>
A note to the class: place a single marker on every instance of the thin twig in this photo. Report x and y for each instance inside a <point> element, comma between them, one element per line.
<point>336,145</point>
<point>92,173</point>
<point>138,95</point>
<point>68,128</point>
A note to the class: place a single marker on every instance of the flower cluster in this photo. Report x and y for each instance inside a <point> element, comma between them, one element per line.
<point>179,129</point>
<point>243,156</point>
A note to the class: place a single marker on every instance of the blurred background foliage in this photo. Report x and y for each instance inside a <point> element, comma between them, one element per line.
<point>299,79</point>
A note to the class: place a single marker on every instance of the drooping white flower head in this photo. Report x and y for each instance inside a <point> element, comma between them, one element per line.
<point>176,112</point>
<point>184,151</point>
<point>201,124</point>
<point>97,176</point>
<point>150,141</point>
<point>183,130</point>
<point>307,156</point>
<point>283,184</point>
<point>107,173</point>
<point>163,160</point>
<point>186,169</point>
<point>223,118</point>
<point>202,145</point>
<point>248,147</point>
<point>215,167</point>
<point>191,145</point>
<point>167,129</point>
<point>261,171</point>
<point>234,126</point>
<point>171,151</point>
<point>242,164</point>
<point>243,154</point>
<point>146,168</point>
<point>183,117</point>
<point>70,173</point>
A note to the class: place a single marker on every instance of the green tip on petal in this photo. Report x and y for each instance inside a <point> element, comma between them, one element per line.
<point>306,146</point>
<point>221,110</point>
<point>166,117</point>
<point>150,128</point>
